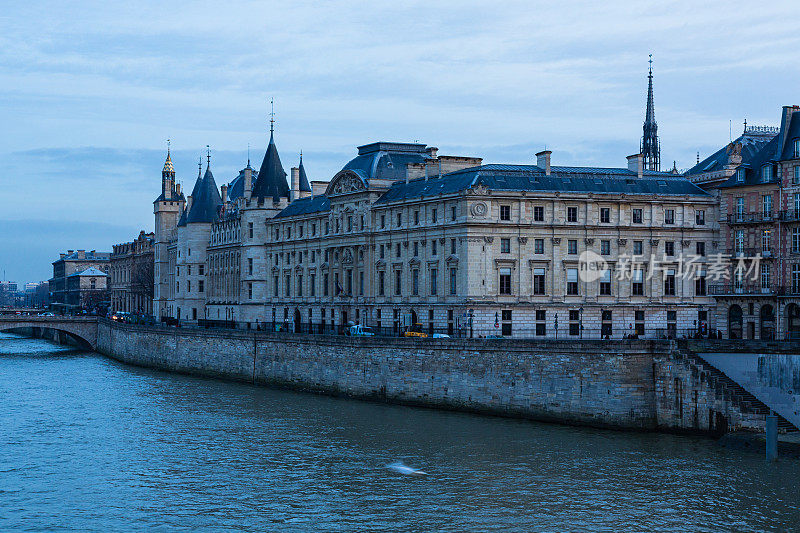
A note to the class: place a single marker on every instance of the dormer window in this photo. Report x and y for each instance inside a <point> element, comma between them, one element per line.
<point>740,174</point>
<point>766,173</point>
<point>797,147</point>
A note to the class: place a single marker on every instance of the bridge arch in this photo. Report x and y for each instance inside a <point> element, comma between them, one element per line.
<point>83,330</point>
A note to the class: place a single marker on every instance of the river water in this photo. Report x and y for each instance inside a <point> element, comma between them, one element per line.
<point>89,444</point>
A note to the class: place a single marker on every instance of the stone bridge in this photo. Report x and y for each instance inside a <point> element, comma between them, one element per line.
<point>83,329</point>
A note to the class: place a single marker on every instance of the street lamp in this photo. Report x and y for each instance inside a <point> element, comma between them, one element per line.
<point>580,321</point>
<point>556,326</point>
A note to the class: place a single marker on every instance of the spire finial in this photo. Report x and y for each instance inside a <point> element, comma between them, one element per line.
<point>168,146</point>
<point>651,64</point>
<point>199,166</point>
<point>745,126</point>
<point>248,155</point>
<point>208,156</point>
<point>271,115</point>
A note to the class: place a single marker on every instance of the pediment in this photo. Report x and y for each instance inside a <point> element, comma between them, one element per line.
<point>346,182</point>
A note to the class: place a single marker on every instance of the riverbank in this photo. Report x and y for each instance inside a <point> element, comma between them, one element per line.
<point>641,385</point>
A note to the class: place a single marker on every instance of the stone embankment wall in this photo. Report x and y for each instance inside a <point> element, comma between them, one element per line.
<point>615,384</point>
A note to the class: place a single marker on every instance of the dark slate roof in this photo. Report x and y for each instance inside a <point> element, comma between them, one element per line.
<point>91,271</point>
<point>533,178</point>
<point>752,144</point>
<point>385,160</point>
<point>305,186</point>
<point>88,256</point>
<point>205,200</point>
<point>236,187</point>
<point>305,206</point>
<point>792,133</point>
<point>752,168</point>
<point>271,182</point>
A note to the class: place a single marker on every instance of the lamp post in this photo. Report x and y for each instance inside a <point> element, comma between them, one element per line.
<point>556,326</point>
<point>580,321</point>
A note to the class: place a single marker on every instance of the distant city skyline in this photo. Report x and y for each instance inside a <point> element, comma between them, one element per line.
<point>94,91</point>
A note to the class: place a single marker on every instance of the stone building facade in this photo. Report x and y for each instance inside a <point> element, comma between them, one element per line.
<point>62,294</point>
<point>757,181</point>
<point>403,235</point>
<point>131,275</point>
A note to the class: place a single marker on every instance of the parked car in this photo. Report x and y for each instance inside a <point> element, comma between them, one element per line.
<point>360,331</point>
<point>414,330</point>
<point>441,336</point>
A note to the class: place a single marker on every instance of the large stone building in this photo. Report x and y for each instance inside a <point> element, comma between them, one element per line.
<point>132,275</point>
<point>404,235</point>
<point>70,291</point>
<point>757,181</point>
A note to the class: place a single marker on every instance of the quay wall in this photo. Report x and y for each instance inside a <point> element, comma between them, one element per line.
<point>618,384</point>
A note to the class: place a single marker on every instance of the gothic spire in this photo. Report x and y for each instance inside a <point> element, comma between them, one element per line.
<point>271,181</point>
<point>304,185</point>
<point>650,146</point>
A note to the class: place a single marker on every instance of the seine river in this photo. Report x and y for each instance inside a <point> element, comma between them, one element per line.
<point>88,444</point>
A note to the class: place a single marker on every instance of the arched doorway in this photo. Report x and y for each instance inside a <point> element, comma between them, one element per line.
<point>767,322</point>
<point>735,322</point>
<point>298,321</point>
<point>793,321</point>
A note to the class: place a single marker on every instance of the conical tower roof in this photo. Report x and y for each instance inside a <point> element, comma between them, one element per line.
<point>205,200</point>
<point>168,165</point>
<point>271,181</point>
<point>304,185</point>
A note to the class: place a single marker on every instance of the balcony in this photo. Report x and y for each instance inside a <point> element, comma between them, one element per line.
<point>753,218</point>
<point>750,253</point>
<point>790,215</point>
<point>751,289</point>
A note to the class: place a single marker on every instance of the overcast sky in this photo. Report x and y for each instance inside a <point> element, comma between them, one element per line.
<point>89,93</point>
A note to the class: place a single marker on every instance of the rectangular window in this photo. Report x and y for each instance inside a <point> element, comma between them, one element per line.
<point>381,283</point>
<point>201,269</point>
<point>505,212</point>
<point>415,282</point>
<point>433,247</point>
<point>796,240</point>
<point>672,326</point>
<point>572,247</point>
<point>669,282</point>
<point>275,286</point>
<point>538,246</point>
<point>189,270</point>
<point>416,248</point>
<point>700,248</point>
<point>348,282</point>
<point>399,219</point>
<point>605,247</point>
<point>605,215</point>
<point>250,229</point>
<point>434,281</point>
<point>574,322</point>
<point>766,173</point>
<point>541,322</point>
<point>506,326</point>
<point>740,175</point>
<point>538,281</point>
<point>312,284</point>
<point>669,216</point>
<point>605,283</point>
<point>452,246</point>
<point>300,285</point>
<point>381,253</point>
<point>453,281</point>
<point>397,250</point>
<point>766,242</point>
<point>453,213</point>
<point>325,284</point>
<point>606,323</point>
<point>383,221</point>
<point>288,287</point>
<point>700,217</point>
<point>637,282</point>
<point>505,246</point>
<point>200,286</point>
<point>796,279</point>
<point>572,281</point>
<point>669,248</point>
<point>739,241</point>
<point>766,204</point>
<point>538,213</point>
<point>313,229</point>
<point>327,228</point>
<point>250,266</point>
<point>434,214</point>
<point>572,214</point>
<point>797,200</point>
<point>505,281</point>
<point>796,177</point>
<point>765,277</point>
<point>700,283</point>
<point>361,283</point>
<point>740,209</point>
<point>637,216</point>
<point>398,282</point>
<point>638,318</point>
<point>797,148</point>
<point>637,248</point>
<point>416,217</point>
<point>349,223</point>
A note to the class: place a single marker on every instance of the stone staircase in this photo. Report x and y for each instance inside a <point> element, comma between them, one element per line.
<point>731,391</point>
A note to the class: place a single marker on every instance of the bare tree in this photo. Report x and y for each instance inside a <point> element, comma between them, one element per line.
<point>143,277</point>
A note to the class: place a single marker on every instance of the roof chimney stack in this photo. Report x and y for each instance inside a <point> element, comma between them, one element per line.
<point>635,164</point>
<point>295,192</point>
<point>543,161</point>
<point>224,189</point>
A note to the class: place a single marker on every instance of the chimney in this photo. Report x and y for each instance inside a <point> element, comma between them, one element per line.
<point>178,189</point>
<point>543,161</point>
<point>248,181</point>
<point>635,164</point>
<point>188,202</point>
<point>224,193</point>
<point>295,192</point>
<point>432,151</point>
